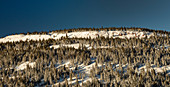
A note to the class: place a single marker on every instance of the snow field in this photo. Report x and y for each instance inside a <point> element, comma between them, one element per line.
<point>85,34</point>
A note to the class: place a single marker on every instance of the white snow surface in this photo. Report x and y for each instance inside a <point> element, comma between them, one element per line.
<point>21,37</point>
<point>157,69</point>
<point>24,65</point>
<point>76,46</point>
<point>85,70</point>
<point>85,34</point>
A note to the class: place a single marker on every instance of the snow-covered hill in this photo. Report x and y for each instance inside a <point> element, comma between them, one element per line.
<point>85,34</point>
<point>85,70</point>
<point>55,66</point>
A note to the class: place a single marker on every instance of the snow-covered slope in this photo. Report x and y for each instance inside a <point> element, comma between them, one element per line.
<point>24,65</point>
<point>20,37</point>
<point>77,45</point>
<point>95,34</point>
<point>85,34</point>
<point>85,70</point>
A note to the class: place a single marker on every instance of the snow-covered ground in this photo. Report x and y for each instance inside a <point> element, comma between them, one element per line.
<point>95,34</point>
<point>85,70</point>
<point>24,65</point>
<point>21,37</point>
<point>157,69</point>
<point>85,34</point>
<point>77,45</point>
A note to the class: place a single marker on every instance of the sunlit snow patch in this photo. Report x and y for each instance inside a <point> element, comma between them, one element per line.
<point>82,34</point>
<point>76,46</point>
<point>24,65</point>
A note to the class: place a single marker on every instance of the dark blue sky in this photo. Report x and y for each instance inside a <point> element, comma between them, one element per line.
<point>17,16</point>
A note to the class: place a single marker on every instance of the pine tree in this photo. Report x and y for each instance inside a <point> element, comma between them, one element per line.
<point>71,75</point>
<point>46,76</point>
<point>66,82</point>
<point>77,83</point>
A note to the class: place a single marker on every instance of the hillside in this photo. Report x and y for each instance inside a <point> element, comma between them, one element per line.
<point>85,34</point>
<point>106,57</point>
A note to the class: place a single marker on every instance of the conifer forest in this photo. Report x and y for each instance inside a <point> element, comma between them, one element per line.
<point>86,57</point>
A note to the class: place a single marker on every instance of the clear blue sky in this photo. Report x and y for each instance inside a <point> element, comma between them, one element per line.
<point>17,16</point>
